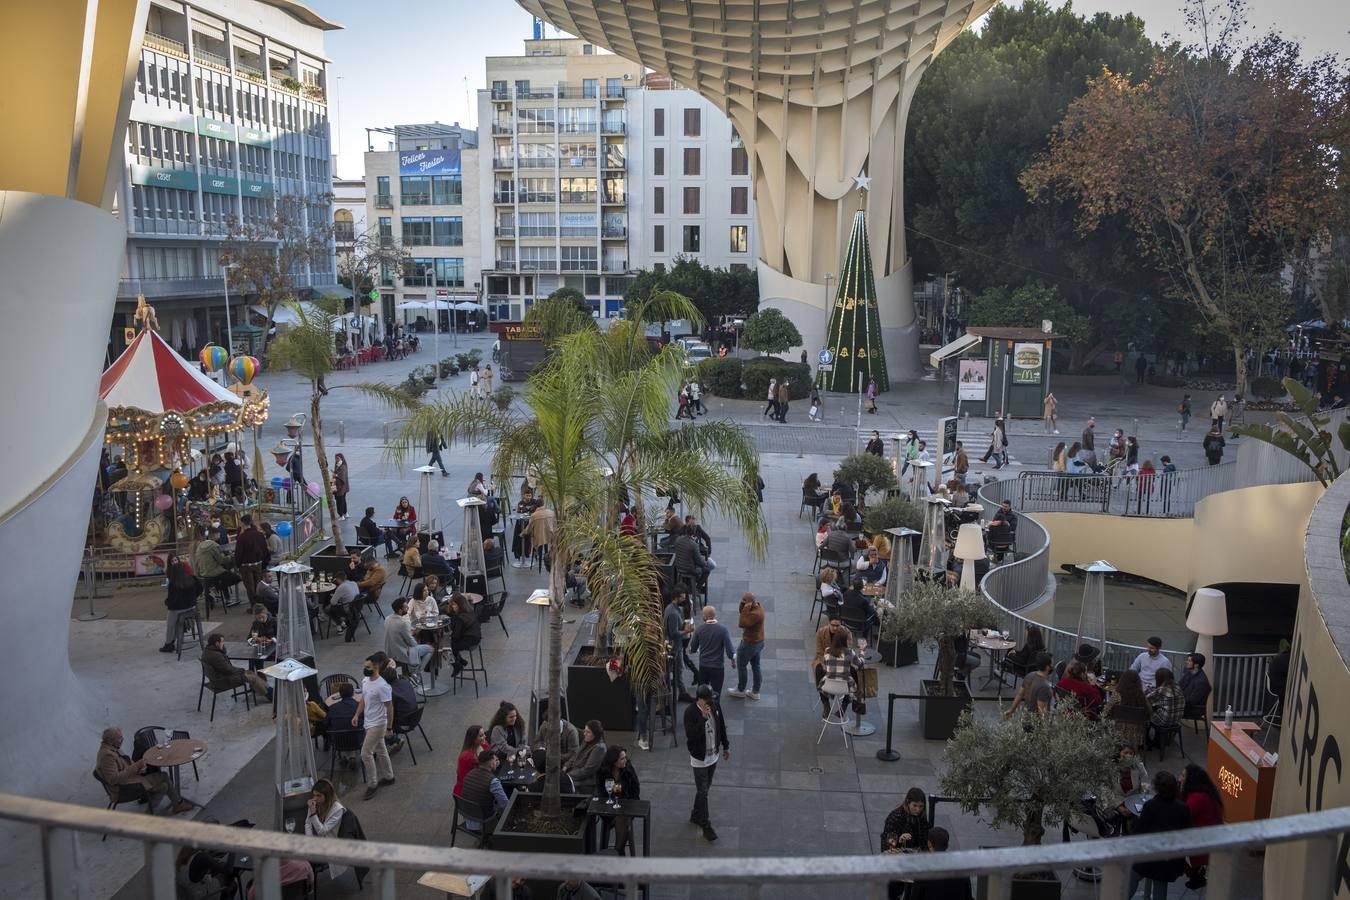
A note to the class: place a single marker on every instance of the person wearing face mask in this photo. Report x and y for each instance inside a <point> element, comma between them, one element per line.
<point>375,710</point>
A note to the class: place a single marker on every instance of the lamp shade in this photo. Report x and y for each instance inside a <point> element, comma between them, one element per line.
<point>1209,613</point>
<point>969,542</point>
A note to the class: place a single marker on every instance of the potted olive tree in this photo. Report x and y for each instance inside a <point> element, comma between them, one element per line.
<point>1028,774</point>
<point>932,613</point>
<point>867,472</point>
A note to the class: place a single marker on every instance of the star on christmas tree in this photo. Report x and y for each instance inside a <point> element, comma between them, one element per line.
<point>854,332</point>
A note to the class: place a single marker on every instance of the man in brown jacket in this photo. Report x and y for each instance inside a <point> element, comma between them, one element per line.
<point>118,771</point>
<point>823,637</point>
<point>752,645</point>
<point>784,395</point>
<point>373,582</point>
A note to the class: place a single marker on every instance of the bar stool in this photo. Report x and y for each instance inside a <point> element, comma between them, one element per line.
<point>189,629</point>
<point>470,672</point>
<point>836,689</point>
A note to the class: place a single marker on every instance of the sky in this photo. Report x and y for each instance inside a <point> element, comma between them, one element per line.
<point>399,62</point>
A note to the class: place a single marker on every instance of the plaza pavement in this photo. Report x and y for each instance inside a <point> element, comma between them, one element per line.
<point>781,793</point>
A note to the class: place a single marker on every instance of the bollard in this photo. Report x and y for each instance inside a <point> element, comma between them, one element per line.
<point>385,429</point>
<point>91,588</point>
<point>889,753</point>
<point>342,432</point>
<point>799,448</point>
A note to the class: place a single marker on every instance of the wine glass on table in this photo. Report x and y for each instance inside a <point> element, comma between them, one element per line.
<point>609,789</point>
<point>618,790</point>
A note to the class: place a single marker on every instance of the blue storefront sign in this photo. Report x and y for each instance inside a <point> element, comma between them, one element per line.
<point>429,162</point>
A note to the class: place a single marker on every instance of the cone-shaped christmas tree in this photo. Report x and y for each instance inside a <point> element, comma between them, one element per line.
<point>854,333</point>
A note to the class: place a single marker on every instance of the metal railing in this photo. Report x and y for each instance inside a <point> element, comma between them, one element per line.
<point>538,265</point>
<point>614,231</point>
<point>502,163</point>
<point>1024,583</point>
<point>615,162</point>
<point>505,231</point>
<point>156,839</point>
<point>503,197</point>
<point>164,44</point>
<point>1160,495</point>
<point>207,58</point>
<point>533,162</point>
<point>499,128</point>
<point>249,72</point>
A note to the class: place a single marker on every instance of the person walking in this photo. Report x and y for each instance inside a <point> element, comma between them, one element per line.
<point>1087,443</point>
<point>341,484</point>
<point>1184,411</point>
<point>474,385</point>
<point>752,645</point>
<point>814,413</point>
<point>771,408</point>
<point>1214,443</point>
<point>1218,410</point>
<point>784,397</point>
<point>1140,368</point>
<point>375,710</point>
<point>998,444</point>
<point>1050,413</point>
<point>875,446</point>
<point>871,395</point>
<point>434,447</point>
<point>705,736</point>
<point>487,381</point>
<point>683,409</point>
<point>696,397</point>
<point>712,642</point>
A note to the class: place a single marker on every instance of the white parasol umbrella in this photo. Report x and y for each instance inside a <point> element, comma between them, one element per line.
<point>436,306</point>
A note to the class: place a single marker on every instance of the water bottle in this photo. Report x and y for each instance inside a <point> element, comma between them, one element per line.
<point>1228,716</point>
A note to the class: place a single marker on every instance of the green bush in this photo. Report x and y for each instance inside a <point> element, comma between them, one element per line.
<point>503,396</point>
<point>896,512</point>
<point>721,377</point>
<point>756,373</point>
<point>1266,388</point>
<point>448,367</point>
<point>414,386</point>
<point>867,471</point>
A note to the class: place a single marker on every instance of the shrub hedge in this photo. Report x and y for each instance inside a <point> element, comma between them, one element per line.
<point>756,373</point>
<point>721,377</point>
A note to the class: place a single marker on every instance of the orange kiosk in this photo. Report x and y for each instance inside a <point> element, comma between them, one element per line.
<point>1242,771</point>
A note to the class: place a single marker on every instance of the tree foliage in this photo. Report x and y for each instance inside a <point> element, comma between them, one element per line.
<point>573,296</point>
<point>931,612</point>
<point>1305,436</point>
<point>714,292</point>
<point>867,471</point>
<point>366,258</point>
<point>559,315</point>
<point>1028,773</point>
<point>769,331</point>
<point>1223,161</point>
<point>1027,306</point>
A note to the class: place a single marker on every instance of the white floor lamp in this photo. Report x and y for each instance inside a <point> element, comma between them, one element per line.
<point>1208,618</point>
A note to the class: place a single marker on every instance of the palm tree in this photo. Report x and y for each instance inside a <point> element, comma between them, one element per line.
<point>594,429</point>
<point>309,348</point>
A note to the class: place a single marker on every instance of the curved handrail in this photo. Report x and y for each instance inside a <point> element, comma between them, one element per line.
<point>1237,678</point>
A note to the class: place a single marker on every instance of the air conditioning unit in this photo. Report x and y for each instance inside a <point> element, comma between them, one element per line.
<point>627,77</point>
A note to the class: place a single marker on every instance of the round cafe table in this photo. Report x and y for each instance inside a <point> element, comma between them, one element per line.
<point>178,752</point>
<point>997,648</point>
<point>436,625</point>
<point>873,589</point>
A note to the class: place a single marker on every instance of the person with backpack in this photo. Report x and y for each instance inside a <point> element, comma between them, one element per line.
<point>1184,410</point>
<point>1213,444</point>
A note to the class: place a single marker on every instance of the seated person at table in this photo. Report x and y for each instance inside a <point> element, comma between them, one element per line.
<point>811,489</point>
<point>345,606</point>
<point>117,770</point>
<point>466,632</point>
<point>436,589</point>
<point>589,756</point>
<point>355,568</point>
<point>264,628</point>
<point>834,504</point>
<point>1088,655</point>
<point>539,759</point>
<point>670,528</point>
<point>616,766</point>
<point>1194,682</point>
<point>882,543</point>
<point>372,582</point>
<point>324,810</point>
<point>1128,694</point>
<point>1167,703</point>
<point>432,561</point>
<point>850,516</point>
<point>690,560</point>
<point>1149,662</point>
<point>704,541</point>
<point>1035,690</point>
<point>475,742</point>
<point>837,543</point>
<point>267,593</point>
<point>830,592</point>
<point>204,875</point>
<point>399,642</point>
<point>837,664</point>
<point>857,607</point>
<point>957,888</point>
<point>221,673</point>
<point>412,558</point>
<point>1076,682</point>
<point>872,567</point>
<point>907,825</point>
<point>483,788</point>
<point>213,565</point>
<point>822,531</point>
<point>1131,776</point>
<point>422,605</point>
<point>999,537</point>
<point>292,871</point>
<point>367,532</point>
<point>506,731</point>
<point>406,515</point>
<point>339,715</point>
<point>569,739</point>
<point>493,556</point>
<point>1032,644</point>
<point>824,635</point>
<point>957,493</point>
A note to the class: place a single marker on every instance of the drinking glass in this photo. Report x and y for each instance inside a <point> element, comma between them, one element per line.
<point>609,789</point>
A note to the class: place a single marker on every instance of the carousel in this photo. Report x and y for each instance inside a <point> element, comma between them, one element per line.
<point>165,421</point>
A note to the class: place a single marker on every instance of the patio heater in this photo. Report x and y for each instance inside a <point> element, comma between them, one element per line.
<point>472,566</point>
<point>1092,616</point>
<point>969,548</point>
<point>1208,618</point>
<point>933,545</point>
<point>918,488</point>
<point>294,771</point>
<point>426,498</point>
<point>539,599</point>
<point>900,575</point>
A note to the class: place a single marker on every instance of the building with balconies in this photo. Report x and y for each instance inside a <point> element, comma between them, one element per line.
<point>349,215</point>
<point>229,112</point>
<point>418,199</point>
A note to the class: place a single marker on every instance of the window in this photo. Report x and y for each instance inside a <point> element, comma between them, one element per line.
<point>418,272</point>
<point>447,190</point>
<point>575,119</point>
<point>589,87</point>
<point>522,87</point>
<point>535,121</point>
<point>658,122</point>
<point>691,239</point>
<point>587,49</point>
<point>579,259</point>
<point>577,190</point>
<point>614,88</point>
<point>386,231</point>
<point>538,224</point>
<point>740,161</point>
<point>615,189</point>
<point>659,200</point>
<point>415,190</point>
<point>692,161</point>
<point>499,91</point>
<point>659,161</point>
<point>658,239</point>
<point>168,262</point>
<point>693,122</point>
<point>386,274</point>
<point>448,231</point>
<point>740,201</point>
<point>416,232</point>
<point>740,238</point>
<point>536,190</point>
<point>691,201</point>
<point>449,273</point>
<point>536,258</point>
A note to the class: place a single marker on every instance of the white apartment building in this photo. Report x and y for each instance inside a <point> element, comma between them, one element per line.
<point>418,198</point>
<point>689,182</point>
<point>553,128</point>
<point>230,112</point>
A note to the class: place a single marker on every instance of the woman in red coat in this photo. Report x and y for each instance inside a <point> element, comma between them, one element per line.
<point>475,741</point>
<point>1206,806</point>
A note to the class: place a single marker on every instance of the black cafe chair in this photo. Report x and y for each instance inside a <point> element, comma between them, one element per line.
<point>122,793</point>
<point>345,741</point>
<point>236,691</point>
<point>465,810</point>
<point>409,723</point>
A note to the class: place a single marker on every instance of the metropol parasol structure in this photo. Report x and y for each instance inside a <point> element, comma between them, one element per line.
<point>819,90</point>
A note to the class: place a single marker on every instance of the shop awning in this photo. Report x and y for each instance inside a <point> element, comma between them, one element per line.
<point>955,348</point>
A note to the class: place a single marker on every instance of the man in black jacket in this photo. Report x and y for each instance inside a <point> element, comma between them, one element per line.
<point>940,888</point>
<point>690,560</point>
<point>705,734</point>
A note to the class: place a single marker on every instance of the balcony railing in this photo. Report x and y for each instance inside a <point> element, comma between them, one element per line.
<point>171,287</point>
<point>615,162</point>
<point>587,197</point>
<point>580,265</point>
<point>615,197</point>
<point>613,92</point>
<point>615,265</point>
<point>505,230</point>
<point>498,128</point>
<point>578,162</point>
<point>501,93</point>
<point>212,60</point>
<point>577,127</point>
<point>503,197</point>
<point>535,127</point>
<point>344,234</point>
<point>506,264</point>
<point>314,92</point>
<point>612,126</point>
<point>500,163</point>
<point>538,265</point>
<point>615,231</point>
<point>56,826</point>
<point>252,74</point>
<point>572,231</point>
<point>535,93</point>
<point>384,201</point>
<point>538,231</point>
<point>536,197</point>
<point>537,162</point>
<point>164,44</point>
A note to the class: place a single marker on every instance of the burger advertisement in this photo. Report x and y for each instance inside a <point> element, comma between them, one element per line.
<point>1027,363</point>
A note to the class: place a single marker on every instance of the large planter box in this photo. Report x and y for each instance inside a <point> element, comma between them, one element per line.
<point>1032,886</point>
<point>938,715</point>
<point>327,560</point>
<point>531,842</point>
<point>898,653</point>
<point>591,695</point>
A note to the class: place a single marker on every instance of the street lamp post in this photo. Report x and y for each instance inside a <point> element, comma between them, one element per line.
<point>229,327</point>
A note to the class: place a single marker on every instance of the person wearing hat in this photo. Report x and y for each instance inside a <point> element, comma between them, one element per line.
<point>1088,655</point>
<point>705,733</point>
<point>1148,662</point>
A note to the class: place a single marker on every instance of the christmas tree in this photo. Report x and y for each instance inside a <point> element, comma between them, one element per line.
<point>854,333</point>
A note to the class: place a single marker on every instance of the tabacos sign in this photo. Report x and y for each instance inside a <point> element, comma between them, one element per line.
<point>429,162</point>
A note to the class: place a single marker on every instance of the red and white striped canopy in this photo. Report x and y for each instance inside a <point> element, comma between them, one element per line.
<point>153,378</point>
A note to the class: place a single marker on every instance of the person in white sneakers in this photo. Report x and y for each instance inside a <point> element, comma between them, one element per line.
<point>473,382</point>
<point>752,645</point>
